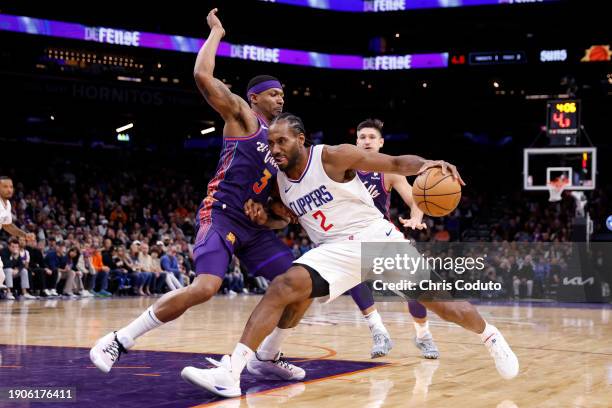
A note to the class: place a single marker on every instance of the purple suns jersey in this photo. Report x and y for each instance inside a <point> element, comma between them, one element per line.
<point>245,171</point>
<point>375,184</point>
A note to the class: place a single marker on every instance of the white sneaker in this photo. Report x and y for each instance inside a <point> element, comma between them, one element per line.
<point>9,296</point>
<point>85,293</point>
<point>505,360</point>
<point>427,346</point>
<point>275,369</point>
<point>218,380</point>
<point>107,351</point>
<point>47,292</point>
<point>381,344</point>
<point>27,296</point>
<point>54,292</point>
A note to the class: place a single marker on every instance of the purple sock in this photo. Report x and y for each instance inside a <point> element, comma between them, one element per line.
<point>417,310</point>
<point>362,295</point>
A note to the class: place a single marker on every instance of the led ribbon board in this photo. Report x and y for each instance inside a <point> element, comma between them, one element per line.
<point>381,6</point>
<point>140,39</point>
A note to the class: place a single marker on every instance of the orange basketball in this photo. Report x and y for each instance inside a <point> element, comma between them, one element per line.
<point>436,194</point>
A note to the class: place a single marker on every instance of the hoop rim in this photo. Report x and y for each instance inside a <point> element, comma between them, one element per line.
<point>556,188</point>
<point>558,185</point>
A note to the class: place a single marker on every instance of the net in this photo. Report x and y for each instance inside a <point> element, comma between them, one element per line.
<point>555,188</point>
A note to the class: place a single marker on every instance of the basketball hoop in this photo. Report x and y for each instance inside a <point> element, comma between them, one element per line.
<point>556,187</point>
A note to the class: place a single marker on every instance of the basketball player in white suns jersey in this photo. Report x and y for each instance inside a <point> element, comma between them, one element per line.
<point>6,221</point>
<point>320,186</point>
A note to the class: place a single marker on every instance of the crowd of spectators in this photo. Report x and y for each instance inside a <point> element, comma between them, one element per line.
<point>106,232</point>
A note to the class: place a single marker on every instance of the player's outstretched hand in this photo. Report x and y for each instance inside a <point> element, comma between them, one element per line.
<point>256,212</point>
<point>412,223</point>
<point>446,168</point>
<point>213,21</point>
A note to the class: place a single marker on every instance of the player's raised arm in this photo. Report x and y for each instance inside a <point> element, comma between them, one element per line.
<point>349,157</point>
<point>216,93</point>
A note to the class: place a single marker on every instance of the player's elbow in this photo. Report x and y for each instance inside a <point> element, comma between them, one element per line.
<point>203,79</point>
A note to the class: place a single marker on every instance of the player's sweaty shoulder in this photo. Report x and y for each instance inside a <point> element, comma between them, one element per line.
<point>242,124</point>
<point>341,156</point>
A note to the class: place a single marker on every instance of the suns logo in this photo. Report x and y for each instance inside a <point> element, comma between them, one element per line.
<point>231,238</point>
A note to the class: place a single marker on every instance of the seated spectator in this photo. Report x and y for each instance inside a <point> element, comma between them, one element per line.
<point>524,276</point>
<point>118,273</point>
<point>161,276</point>
<point>169,264</point>
<point>37,266</point>
<point>129,278</point>
<point>146,263</point>
<point>491,276</point>
<point>184,268</point>
<point>143,278</point>
<point>234,279</point>
<point>102,271</point>
<point>84,271</point>
<point>541,275</point>
<point>14,266</point>
<point>62,276</point>
<point>262,284</point>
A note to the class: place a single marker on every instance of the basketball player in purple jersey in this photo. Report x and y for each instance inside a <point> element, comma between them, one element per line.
<point>379,185</point>
<point>245,172</point>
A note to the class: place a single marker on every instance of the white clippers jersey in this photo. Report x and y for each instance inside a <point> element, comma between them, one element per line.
<point>6,217</point>
<point>329,211</point>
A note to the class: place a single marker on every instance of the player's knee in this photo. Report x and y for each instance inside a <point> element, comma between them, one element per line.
<point>202,290</point>
<point>286,287</point>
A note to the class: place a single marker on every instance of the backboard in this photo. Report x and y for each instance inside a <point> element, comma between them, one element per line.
<point>541,166</point>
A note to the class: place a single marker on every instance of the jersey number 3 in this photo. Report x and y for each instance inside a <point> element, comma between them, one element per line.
<point>258,187</point>
<point>319,214</point>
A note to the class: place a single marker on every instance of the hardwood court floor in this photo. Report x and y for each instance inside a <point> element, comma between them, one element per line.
<point>565,355</point>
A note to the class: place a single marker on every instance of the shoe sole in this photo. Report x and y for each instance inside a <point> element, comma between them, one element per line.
<point>378,354</point>
<point>192,378</point>
<point>262,376</point>
<point>427,356</point>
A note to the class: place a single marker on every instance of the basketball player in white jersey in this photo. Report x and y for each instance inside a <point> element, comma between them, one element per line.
<point>319,185</point>
<point>380,185</point>
<point>6,221</point>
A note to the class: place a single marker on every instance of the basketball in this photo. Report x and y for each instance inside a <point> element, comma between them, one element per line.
<point>436,194</point>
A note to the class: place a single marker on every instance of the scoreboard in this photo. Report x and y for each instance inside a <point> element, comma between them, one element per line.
<point>563,117</point>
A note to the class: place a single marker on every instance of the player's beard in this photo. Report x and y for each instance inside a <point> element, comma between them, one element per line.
<point>292,159</point>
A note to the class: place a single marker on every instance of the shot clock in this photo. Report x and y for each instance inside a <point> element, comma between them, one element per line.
<point>563,124</point>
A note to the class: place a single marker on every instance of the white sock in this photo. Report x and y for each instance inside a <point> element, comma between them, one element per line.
<point>375,322</point>
<point>269,348</point>
<point>488,331</point>
<point>239,359</point>
<point>141,325</point>
<point>422,329</point>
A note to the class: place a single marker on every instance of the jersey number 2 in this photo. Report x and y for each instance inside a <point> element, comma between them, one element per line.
<point>258,187</point>
<point>319,214</point>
